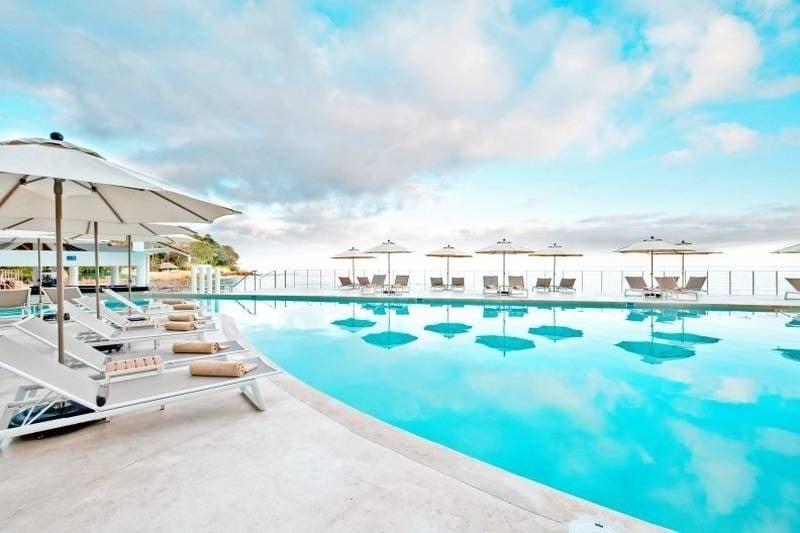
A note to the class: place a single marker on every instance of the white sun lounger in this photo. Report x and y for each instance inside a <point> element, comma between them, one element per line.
<point>490,285</point>
<point>125,322</point>
<point>638,287</point>
<point>106,333</point>
<point>516,286</point>
<point>149,310</point>
<point>54,383</point>
<point>71,293</point>
<point>86,355</point>
<point>795,284</point>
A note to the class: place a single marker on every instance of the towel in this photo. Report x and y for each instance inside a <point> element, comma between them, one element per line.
<point>172,302</point>
<point>181,317</point>
<point>195,347</point>
<point>149,362</point>
<point>180,326</point>
<point>226,369</point>
<point>184,307</point>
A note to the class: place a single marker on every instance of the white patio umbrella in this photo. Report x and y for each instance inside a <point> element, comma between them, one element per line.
<point>504,247</point>
<point>447,252</point>
<point>793,249</point>
<point>388,248</point>
<point>683,249</point>
<point>352,254</point>
<point>56,180</point>
<point>651,246</point>
<point>555,251</point>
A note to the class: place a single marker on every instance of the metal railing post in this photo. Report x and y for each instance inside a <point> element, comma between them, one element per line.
<point>776,284</point>
<point>284,279</point>
<point>753,283</point>
<point>730,282</point>
<point>601,282</point>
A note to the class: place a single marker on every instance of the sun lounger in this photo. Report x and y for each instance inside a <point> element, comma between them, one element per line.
<point>437,284</point>
<point>104,333</point>
<point>400,284</point>
<point>15,299</point>
<point>54,383</point>
<point>377,283</point>
<point>457,284</point>
<point>638,287</point>
<point>566,284</point>
<point>542,284</point>
<point>490,285</point>
<point>346,283</point>
<point>363,281</point>
<point>71,293</point>
<point>154,309</point>
<point>694,286</point>
<point>516,286</point>
<point>86,355</point>
<point>795,284</point>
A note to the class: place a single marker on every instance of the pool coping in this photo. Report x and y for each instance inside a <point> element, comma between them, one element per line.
<point>533,497</point>
<point>476,299</point>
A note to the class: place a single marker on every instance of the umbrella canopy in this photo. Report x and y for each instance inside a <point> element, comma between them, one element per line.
<point>80,230</point>
<point>388,248</point>
<point>683,249</point>
<point>448,252</point>
<point>504,247</point>
<point>555,251</point>
<point>685,338</point>
<point>352,254</point>
<point>793,249</point>
<point>651,246</point>
<point>56,180</point>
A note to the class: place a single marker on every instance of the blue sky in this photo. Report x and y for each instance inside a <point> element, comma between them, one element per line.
<point>334,123</point>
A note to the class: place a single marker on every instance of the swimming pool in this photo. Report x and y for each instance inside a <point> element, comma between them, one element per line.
<point>686,418</point>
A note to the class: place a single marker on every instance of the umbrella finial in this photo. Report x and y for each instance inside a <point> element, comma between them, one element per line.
<point>56,136</point>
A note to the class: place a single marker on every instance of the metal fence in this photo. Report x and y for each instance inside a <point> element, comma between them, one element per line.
<point>719,282</point>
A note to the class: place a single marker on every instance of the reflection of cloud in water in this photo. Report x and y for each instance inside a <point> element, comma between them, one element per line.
<point>735,390</point>
<point>728,389</point>
<point>588,400</point>
<point>720,466</point>
<point>778,440</point>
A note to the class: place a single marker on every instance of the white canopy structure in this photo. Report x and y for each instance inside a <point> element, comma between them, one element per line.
<point>555,251</point>
<point>793,249</point>
<point>504,247</point>
<point>55,180</point>
<point>352,254</point>
<point>652,246</point>
<point>683,249</point>
<point>448,252</point>
<point>388,248</point>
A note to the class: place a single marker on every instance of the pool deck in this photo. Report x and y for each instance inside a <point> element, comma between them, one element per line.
<point>307,463</point>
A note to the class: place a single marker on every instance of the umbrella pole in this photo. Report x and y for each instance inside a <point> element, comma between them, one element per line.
<point>504,270</point>
<point>96,271</point>
<point>553,282</point>
<point>651,269</point>
<point>389,268</point>
<point>447,272</point>
<point>129,272</point>
<point>683,269</point>
<point>58,190</point>
<point>353,264</point>
<point>39,263</point>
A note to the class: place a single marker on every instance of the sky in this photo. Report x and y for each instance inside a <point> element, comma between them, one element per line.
<point>333,124</point>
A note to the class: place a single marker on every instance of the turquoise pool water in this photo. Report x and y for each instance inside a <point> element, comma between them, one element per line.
<point>689,419</point>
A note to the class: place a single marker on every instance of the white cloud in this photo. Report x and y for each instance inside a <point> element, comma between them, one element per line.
<point>726,138</point>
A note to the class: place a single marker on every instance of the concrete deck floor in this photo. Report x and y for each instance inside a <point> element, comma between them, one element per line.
<point>308,463</point>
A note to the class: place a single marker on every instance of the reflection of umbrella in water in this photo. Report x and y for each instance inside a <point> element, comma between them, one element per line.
<point>390,339</point>
<point>353,324</point>
<point>504,343</point>
<point>685,338</point>
<point>448,329</point>
<point>792,354</point>
<point>555,332</point>
<point>655,353</point>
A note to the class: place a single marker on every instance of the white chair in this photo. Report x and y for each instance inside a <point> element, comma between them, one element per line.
<point>54,383</point>
<point>795,284</point>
